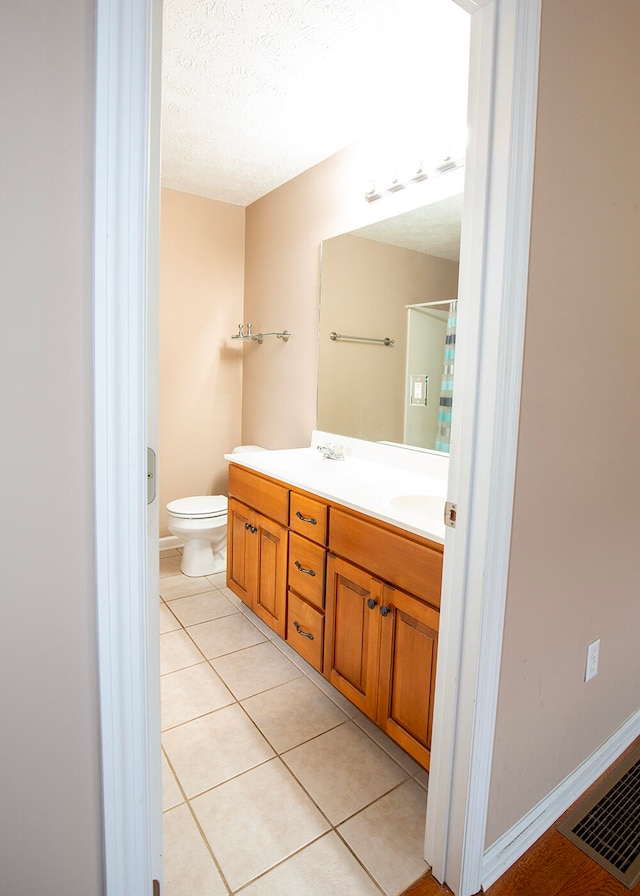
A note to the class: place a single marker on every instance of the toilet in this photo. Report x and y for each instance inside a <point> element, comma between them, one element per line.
<point>200,523</point>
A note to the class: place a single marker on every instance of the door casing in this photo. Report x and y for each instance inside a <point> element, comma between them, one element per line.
<point>494,267</point>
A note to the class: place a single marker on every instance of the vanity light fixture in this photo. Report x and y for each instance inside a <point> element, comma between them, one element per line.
<point>448,163</point>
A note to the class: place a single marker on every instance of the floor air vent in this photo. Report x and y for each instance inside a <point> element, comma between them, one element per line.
<point>606,826</point>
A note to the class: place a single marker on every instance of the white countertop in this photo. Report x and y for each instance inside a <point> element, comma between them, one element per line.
<point>395,486</point>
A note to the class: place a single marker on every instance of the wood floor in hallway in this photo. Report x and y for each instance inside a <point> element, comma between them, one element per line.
<point>553,866</point>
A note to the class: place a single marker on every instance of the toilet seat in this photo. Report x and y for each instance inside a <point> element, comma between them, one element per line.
<point>198,508</point>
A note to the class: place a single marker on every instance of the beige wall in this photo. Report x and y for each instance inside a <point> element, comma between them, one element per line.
<point>366,286</point>
<point>201,305</point>
<point>284,232</point>
<point>574,573</point>
<point>574,559</point>
<point>50,823</point>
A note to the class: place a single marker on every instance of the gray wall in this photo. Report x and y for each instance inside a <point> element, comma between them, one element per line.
<point>50,827</point>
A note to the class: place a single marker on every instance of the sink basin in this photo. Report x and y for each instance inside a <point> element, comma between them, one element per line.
<point>419,506</point>
<point>377,489</point>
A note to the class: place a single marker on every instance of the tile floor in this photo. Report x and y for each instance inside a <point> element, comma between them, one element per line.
<point>273,783</point>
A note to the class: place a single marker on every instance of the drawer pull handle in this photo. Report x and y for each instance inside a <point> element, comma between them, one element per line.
<point>309,572</point>
<point>372,603</point>
<point>384,611</point>
<point>300,632</point>
<point>306,519</point>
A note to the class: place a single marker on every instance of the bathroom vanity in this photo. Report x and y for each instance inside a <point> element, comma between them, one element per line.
<point>343,560</point>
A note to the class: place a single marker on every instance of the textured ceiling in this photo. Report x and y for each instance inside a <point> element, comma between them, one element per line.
<point>433,229</point>
<point>257,91</point>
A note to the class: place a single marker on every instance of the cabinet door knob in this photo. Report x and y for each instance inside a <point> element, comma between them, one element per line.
<point>384,611</point>
<point>301,632</point>
<point>247,525</point>
<point>306,519</point>
<point>298,565</point>
<point>372,603</point>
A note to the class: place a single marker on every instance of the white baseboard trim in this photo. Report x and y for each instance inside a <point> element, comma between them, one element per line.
<point>168,543</point>
<point>512,845</point>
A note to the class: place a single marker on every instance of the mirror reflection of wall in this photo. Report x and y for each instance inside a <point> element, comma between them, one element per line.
<point>368,278</point>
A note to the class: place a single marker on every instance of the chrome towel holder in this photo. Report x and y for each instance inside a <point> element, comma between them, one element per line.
<point>259,337</point>
<point>386,341</point>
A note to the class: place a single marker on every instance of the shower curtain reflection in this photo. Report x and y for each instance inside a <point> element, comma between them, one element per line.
<point>443,438</point>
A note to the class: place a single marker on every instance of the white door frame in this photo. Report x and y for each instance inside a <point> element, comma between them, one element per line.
<point>126,223</point>
<point>494,267</point>
<point>493,285</point>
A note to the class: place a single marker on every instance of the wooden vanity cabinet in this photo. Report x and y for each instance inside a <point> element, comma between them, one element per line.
<point>305,630</point>
<point>241,559</point>
<point>257,564</point>
<point>307,569</point>
<point>257,546</point>
<point>407,671</point>
<point>402,558</point>
<point>308,522</point>
<point>309,517</point>
<point>351,651</point>
<point>381,641</point>
<point>356,597</point>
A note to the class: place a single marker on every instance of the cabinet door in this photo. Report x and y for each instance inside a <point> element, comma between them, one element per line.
<point>351,633</point>
<point>408,654</point>
<point>270,600</point>
<point>241,551</point>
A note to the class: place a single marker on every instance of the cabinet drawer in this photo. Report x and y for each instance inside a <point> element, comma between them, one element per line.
<point>411,563</point>
<point>306,569</point>
<point>305,630</point>
<point>265,496</point>
<point>309,517</point>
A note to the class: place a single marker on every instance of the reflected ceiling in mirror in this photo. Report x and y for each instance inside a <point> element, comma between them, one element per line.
<point>382,379</point>
<point>433,229</point>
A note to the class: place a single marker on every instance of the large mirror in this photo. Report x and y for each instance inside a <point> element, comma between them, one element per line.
<point>388,308</point>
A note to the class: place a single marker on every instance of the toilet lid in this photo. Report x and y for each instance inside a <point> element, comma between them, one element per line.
<point>198,507</point>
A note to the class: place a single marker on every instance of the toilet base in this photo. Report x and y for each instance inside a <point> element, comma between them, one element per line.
<point>199,558</point>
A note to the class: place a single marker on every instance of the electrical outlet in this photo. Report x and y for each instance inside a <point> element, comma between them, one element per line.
<point>593,657</point>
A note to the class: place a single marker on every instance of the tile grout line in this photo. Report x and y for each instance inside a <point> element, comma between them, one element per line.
<point>187,802</point>
<point>408,776</point>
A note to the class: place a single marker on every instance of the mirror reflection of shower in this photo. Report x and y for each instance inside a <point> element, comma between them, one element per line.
<point>429,374</point>
<point>368,279</point>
